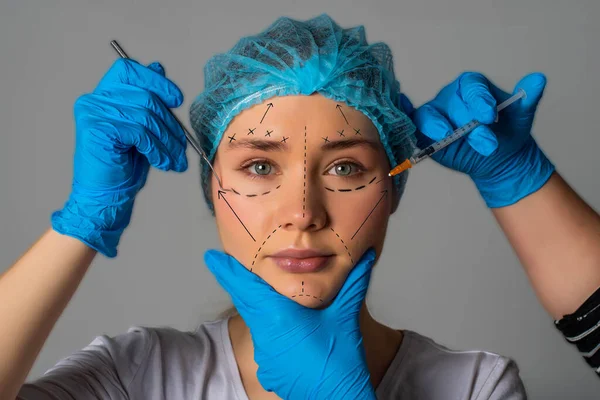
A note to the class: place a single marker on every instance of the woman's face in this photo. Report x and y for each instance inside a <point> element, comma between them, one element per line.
<point>307,193</point>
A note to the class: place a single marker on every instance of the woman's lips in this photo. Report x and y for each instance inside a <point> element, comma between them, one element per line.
<point>299,265</point>
<point>299,261</point>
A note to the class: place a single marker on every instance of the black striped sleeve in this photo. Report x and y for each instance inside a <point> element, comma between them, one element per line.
<point>582,328</point>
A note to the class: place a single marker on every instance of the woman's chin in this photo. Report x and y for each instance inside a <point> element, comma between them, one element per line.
<point>308,292</point>
<point>310,302</point>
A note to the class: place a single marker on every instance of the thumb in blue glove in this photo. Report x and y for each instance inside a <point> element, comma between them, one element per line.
<point>302,353</point>
<point>502,158</point>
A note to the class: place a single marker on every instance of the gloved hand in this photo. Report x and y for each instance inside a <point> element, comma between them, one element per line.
<point>502,158</point>
<point>121,128</point>
<point>302,353</point>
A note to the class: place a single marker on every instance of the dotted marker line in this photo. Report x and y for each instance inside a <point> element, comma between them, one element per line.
<point>346,247</point>
<point>350,190</point>
<point>304,190</point>
<point>307,295</point>
<point>261,246</point>
<point>253,195</point>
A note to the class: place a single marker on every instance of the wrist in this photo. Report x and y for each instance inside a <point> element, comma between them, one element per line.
<point>516,178</point>
<point>97,225</point>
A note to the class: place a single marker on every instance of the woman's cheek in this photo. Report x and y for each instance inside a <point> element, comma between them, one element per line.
<point>360,218</point>
<point>239,222</point>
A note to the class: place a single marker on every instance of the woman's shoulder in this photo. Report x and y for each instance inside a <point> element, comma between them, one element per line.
<point>436,371</point>
<point>140,343</point>
<point>139,361</point>
<point>427,346</point>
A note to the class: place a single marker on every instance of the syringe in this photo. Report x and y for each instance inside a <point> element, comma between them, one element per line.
<point>453,137</point>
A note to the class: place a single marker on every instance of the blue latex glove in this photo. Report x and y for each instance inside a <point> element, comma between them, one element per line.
<point>121,128</point>
<point>502,158</point>
<point>302,353</point>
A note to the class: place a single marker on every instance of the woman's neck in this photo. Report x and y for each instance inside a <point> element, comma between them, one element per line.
<point>381,345</point>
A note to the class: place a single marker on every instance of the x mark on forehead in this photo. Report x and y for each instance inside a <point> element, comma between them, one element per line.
<point>273,145</point>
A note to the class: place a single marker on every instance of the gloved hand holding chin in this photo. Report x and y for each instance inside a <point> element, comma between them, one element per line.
<point>302,353</point>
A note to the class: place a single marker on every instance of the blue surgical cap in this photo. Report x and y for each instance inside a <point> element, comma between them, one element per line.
<point>293,57</point>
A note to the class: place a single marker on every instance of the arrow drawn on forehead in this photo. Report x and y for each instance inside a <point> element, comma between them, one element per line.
<point>340,108</point>
<point>268,108</point>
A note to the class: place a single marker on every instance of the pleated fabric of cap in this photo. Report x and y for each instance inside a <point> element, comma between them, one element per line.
<point>294,57</point>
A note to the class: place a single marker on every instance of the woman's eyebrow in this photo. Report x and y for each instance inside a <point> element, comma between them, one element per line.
<point>258,144</point>
<point>272,145</point>
<point>348,143</point>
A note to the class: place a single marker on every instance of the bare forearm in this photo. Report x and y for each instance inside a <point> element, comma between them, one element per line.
<point>556,236</point>
<point>33,294</point>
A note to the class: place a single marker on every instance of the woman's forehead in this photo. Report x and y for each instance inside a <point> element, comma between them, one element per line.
<point>291,114</point>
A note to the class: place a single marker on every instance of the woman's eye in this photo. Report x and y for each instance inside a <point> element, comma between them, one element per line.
<point>344,169</point>
<point>260,168</point>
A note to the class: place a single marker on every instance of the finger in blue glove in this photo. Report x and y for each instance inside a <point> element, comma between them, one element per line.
<point>121,128</point>
<point>503,159</point>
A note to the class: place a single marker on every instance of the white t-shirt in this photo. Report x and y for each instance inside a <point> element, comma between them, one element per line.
<point>164,363</point>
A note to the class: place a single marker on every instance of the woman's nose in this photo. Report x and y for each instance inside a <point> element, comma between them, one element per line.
<point>302,208</point>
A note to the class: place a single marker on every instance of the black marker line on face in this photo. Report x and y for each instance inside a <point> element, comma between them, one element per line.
<point>302,294</point>
<point>261,246</point>
<point>350,190</point>
<point>346,247</point>
<point>304,190</point>
<point>255,194</point>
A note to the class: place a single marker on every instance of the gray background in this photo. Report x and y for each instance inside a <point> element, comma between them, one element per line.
<point>447,271</point>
